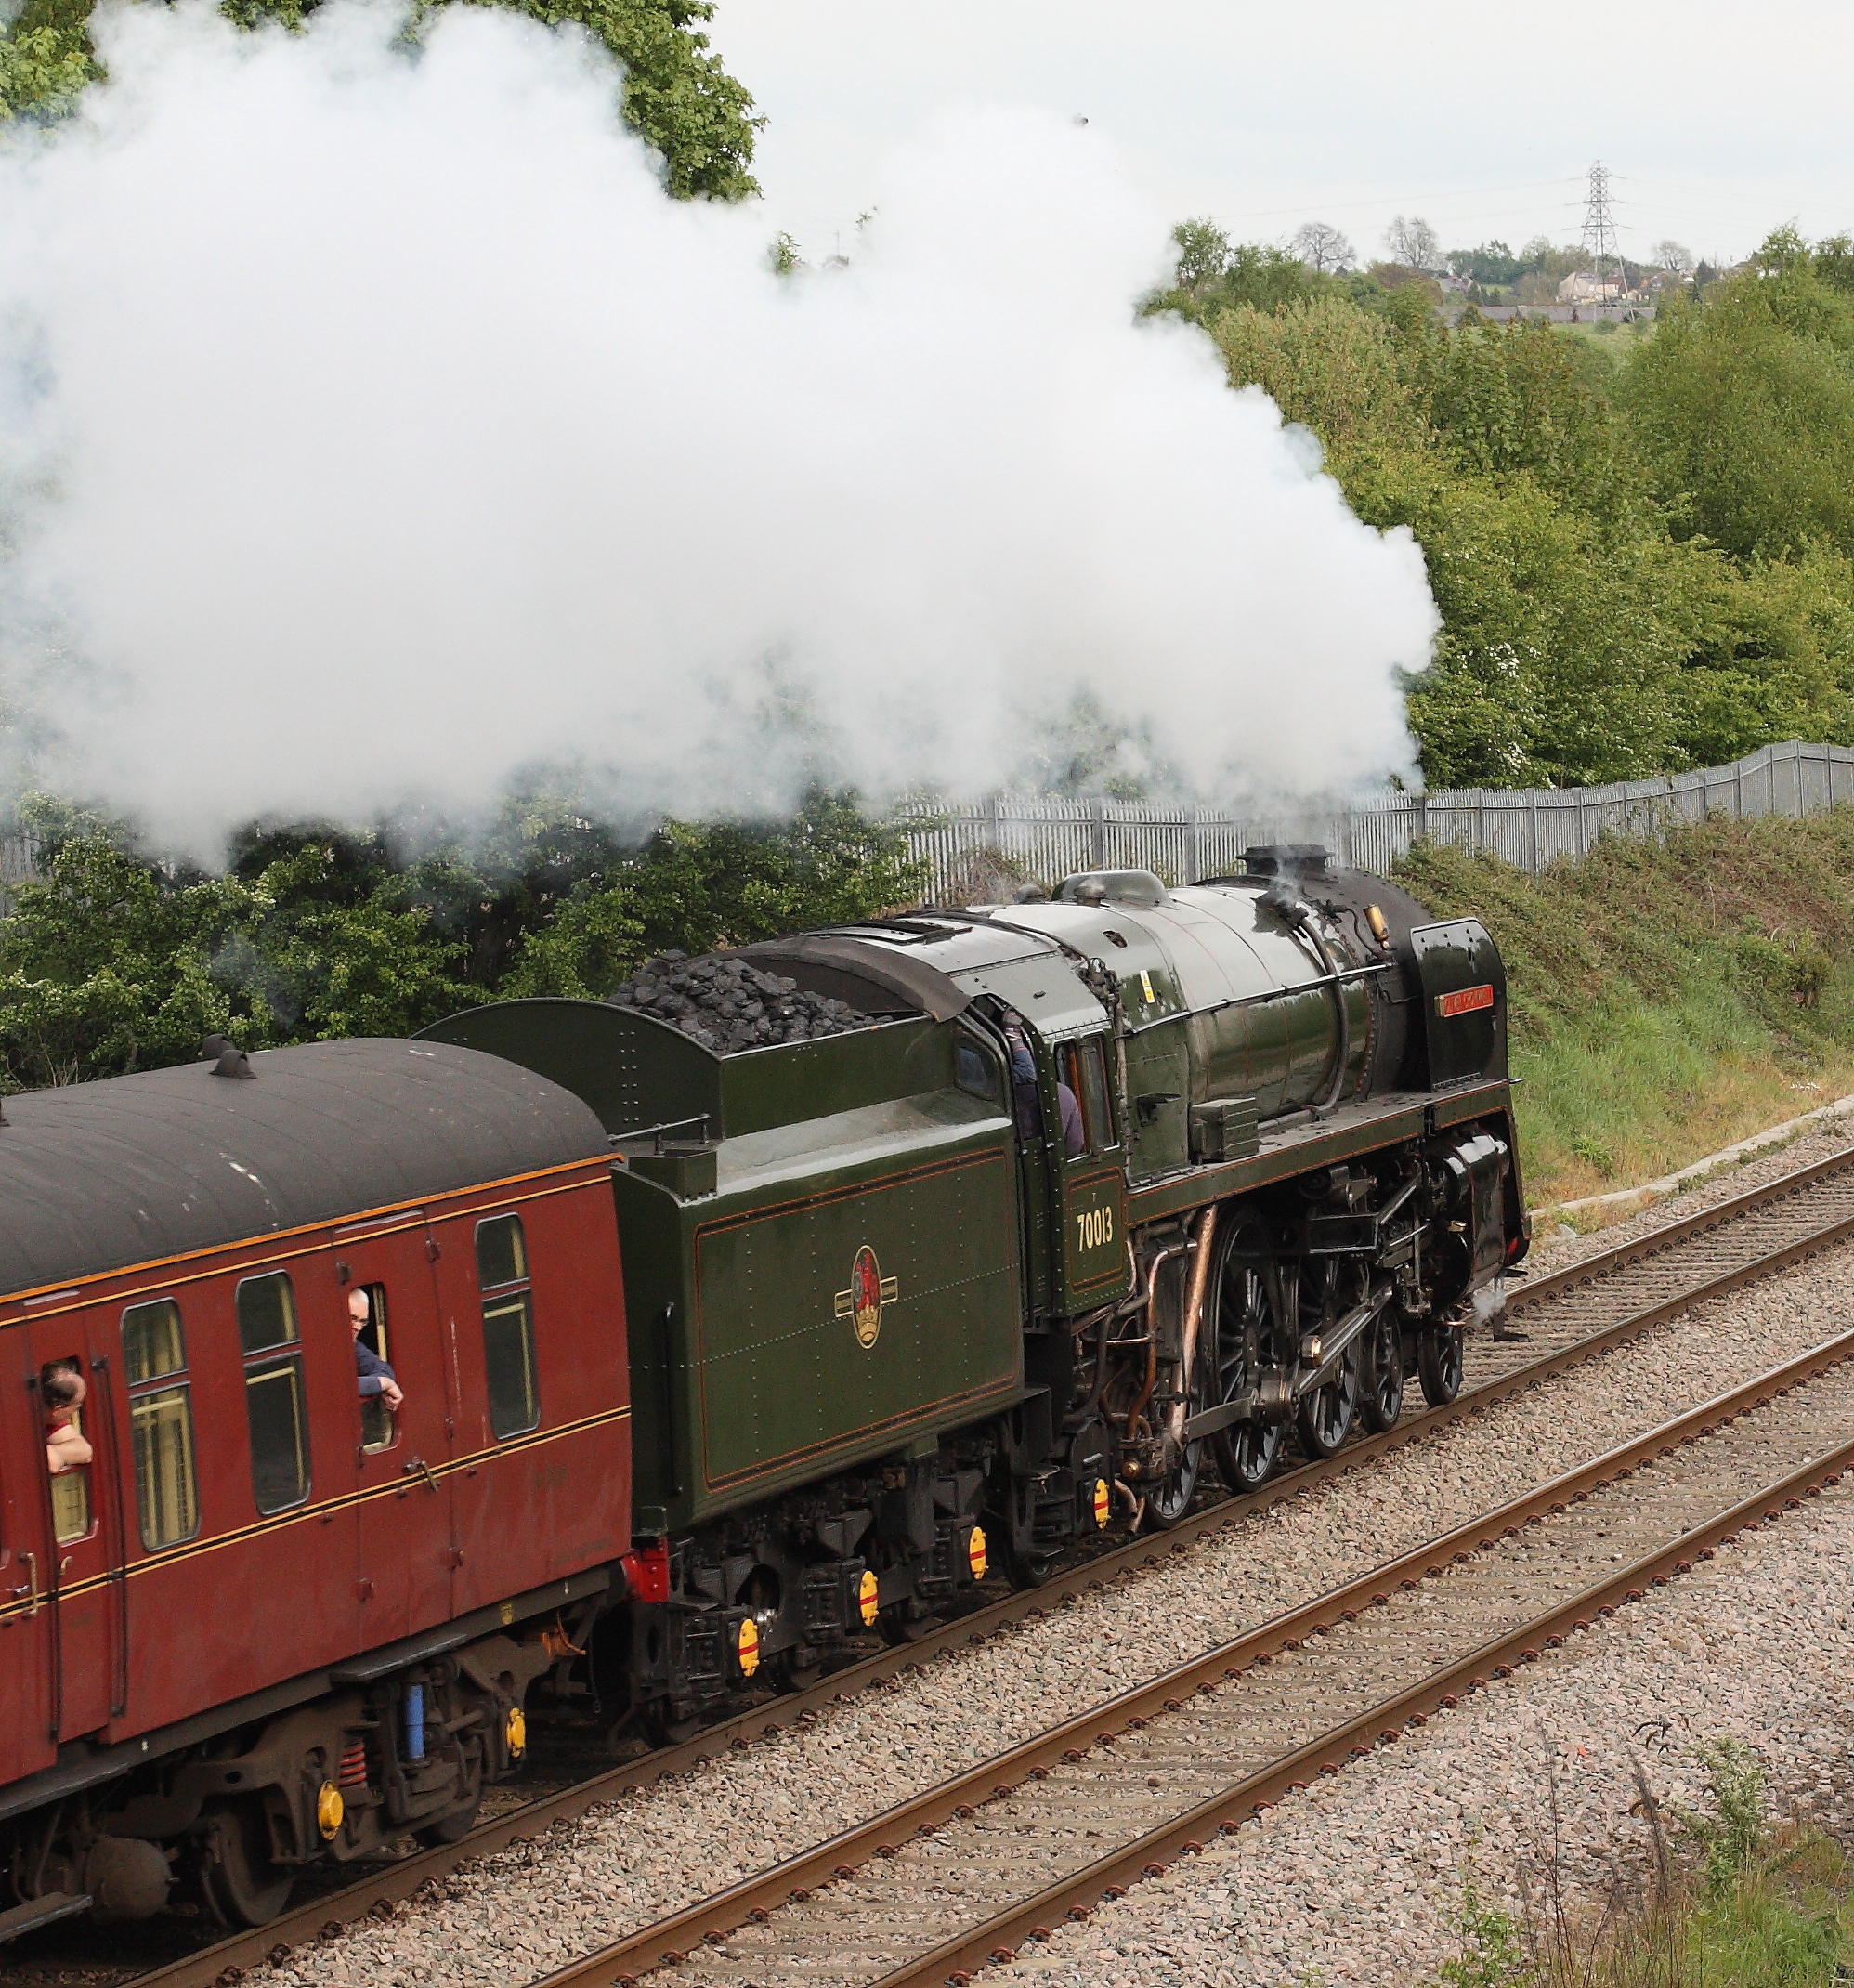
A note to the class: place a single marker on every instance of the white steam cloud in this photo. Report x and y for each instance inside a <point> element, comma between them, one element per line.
<point>391,431</point>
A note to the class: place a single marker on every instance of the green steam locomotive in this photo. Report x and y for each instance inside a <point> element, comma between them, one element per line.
<point>1102,1193</point>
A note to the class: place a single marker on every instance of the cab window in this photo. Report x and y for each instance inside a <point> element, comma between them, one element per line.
<point>508,1326</point>
<point>161,1423</point>
<point>1085,1073</point>
<point>273,1392</point>
<point>975,1072</point>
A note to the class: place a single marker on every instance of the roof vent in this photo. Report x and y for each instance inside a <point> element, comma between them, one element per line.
<point>225,1057</point>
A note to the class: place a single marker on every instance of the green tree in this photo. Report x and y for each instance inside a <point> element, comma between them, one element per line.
<point>110,964</point>
<point>676,92</point>
<point>1744,406</point>
<point>695,886</point>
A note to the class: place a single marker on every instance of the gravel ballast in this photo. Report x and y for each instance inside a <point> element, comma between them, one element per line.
<point>524,1912</point>
<point>1360,1878</point>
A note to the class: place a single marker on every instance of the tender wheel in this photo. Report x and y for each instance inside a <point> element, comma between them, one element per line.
<point>1244,1333</point>
<point>1030,1570</point>
<point>1382,1401</point>
<point>1439,1365</point>
<point>240,1884</point>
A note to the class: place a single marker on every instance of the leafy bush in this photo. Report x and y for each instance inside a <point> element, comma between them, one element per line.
<point>113,963</point>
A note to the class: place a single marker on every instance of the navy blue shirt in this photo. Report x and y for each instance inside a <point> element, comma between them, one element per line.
<point>371,1369</point>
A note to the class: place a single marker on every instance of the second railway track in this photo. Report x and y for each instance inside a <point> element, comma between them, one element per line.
<point>964,1872</point>
<point>1566,1317</point>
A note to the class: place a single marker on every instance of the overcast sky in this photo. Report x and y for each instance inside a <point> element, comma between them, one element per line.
<point>1718,121</point>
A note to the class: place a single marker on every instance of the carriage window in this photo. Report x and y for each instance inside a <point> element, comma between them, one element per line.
<point>266,1313</point>
<point>508,1326</point>
<point>377,1428</point>
<point>161,1423</point>
<point>67,1450</point>
<point>71,1504</point>
<point>273,1393</point>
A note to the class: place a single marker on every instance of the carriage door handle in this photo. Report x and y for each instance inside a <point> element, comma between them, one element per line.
<point>423,1467</point>
<point>31,1584</point>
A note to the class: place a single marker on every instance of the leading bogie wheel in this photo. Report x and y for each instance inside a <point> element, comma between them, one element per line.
<point>1439,1365</point>
<point>1382,1401</point>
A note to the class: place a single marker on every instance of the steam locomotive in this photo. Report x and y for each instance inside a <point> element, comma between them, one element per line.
<point>714,1365</point>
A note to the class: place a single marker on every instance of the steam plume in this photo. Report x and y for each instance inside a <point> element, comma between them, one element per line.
<point>390,431</point>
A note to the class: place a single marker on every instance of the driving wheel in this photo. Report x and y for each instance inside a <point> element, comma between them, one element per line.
<point>1328,1412</point>
<point>1245,1332</point>
<point>1382,1401</point>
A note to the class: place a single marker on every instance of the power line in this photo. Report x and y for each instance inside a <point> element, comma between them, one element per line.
<point>1599,237</point>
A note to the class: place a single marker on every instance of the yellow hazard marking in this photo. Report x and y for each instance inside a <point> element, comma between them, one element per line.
<point>1099,1501</point>
<point>330,1809</point>
<point>866,1596</point>
<point>975,1552</point>
<point>746,1648</point>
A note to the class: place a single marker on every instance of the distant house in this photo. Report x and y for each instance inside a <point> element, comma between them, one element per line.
<point>1583,287</point>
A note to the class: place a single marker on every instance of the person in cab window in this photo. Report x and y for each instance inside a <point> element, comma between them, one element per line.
<point>1024,1087</point>
<point>64,1389</point>
<point>372,1375</point>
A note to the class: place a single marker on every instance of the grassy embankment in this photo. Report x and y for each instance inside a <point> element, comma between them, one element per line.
<point>1667,997</point>
<point>1731,1898</point>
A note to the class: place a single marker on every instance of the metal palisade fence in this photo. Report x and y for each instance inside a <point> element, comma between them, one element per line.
<point>18,862</point>
<point>969,848</point>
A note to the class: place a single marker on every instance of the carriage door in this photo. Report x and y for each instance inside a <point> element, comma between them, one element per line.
<point>407,1548</point>
<point>81,1576</point>
<point>26,1742</point>
<point>1092,1253</point>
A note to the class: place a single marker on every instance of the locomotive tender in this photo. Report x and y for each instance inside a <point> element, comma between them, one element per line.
<point>714,1365</point>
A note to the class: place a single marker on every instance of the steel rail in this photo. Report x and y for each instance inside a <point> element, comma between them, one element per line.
<point>669,1939</point>
<point>224,1960</point>
<point>1602,1262</point>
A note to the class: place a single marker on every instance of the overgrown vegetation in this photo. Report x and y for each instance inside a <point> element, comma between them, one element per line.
<point>1735,1897</point>
<point>676,92</point>
<point>1667,996</point>
<point>1643,548</point>
<point>113,963</point>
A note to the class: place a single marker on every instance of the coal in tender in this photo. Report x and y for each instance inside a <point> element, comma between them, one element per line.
<point>727,1005</point>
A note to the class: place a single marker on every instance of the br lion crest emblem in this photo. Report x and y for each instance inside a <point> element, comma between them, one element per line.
<point>870,1290</point>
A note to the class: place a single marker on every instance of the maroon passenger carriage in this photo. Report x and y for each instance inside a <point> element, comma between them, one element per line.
<point>271,1622</point>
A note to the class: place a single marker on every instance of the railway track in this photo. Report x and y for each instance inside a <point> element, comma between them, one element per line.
<point>968,1871</point>
<point>1566,1319</point>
